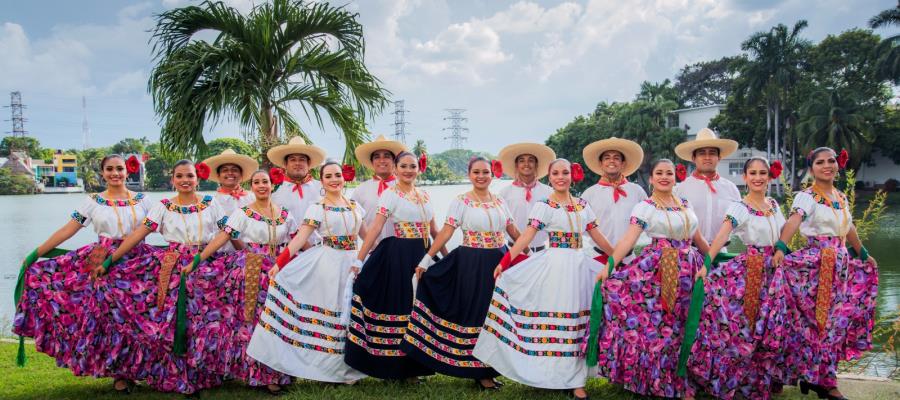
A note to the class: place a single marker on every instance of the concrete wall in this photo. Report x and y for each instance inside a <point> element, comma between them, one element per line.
<point>877,174</point>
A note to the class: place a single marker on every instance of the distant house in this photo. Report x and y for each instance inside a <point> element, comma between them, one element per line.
<point>65,169</point>
<point>19,163</point>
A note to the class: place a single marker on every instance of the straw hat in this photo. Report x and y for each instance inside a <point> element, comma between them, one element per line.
<point>296,146</point>
<point>705,138</point>
<point>228,156</point>
<point>364,151</point>
<point>633,153</point>
<point>543,154</point>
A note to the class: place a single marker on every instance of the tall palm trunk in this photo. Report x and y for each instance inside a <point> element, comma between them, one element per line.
<point>778,151</point>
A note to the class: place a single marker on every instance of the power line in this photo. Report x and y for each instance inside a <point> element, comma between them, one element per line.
<point>400,121</point>
<point>18,120</point>
<point>456,127</point>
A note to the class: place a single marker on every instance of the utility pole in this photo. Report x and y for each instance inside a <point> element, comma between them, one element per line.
<point>17,118</point>
<point>400,121</point>
<point>456,127</point>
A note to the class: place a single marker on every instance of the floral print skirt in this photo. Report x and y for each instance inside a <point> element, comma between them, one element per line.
<point>742,328</point>
<point>832,309</point>
<point>646,305</point>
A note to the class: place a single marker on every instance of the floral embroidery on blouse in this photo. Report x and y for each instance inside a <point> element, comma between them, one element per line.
<point>222,223</point>
<point>78,217</point>
<point>480,204</point>
<point>282,216</point>
<point>535,223</point>
<point>341,242</point>
<point>311,222</point>
<point>639,222</point>
<point>732,220</point>
<point>825,202</point>
<point>384,211</point>
<point>591,225</point>
<point>340,208</point>
<point>483,240</point>
<point>565,240</point>
<point>578,206</point>
<point>452,222</point>
<point>411,197</point>
<point>410,230</point>
<point>151,224</point>
<point>189,209</point>
<point>770,212</point>
<point>117,202</point>
<point>684,203</point>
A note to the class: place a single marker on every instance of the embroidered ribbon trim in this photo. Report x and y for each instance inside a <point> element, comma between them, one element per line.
<point>251,284</point>
<point>823,293</point>
<point>668,278</point>
<point>169,259</point>
<point>752,286</point>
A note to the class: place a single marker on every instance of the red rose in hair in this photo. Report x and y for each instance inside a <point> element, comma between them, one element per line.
<point>577,172</point>
<point>775,169</point>
<point>680,172</point>
<point>276,175</point>
<point>423,163</point>
<point>132,165</point>
<point>202,170</point>
<point>348,172</point>
<point>496,168</point>
<point>843,158</point>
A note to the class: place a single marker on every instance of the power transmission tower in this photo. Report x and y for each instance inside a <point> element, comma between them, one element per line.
<point>400,121</point>
<point>18,120</point>
<point>85,128</point>
<point>456,128</point>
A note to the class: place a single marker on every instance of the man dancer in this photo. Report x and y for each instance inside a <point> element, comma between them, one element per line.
<point>299,190</point>
<point>613,197</point>
<point>378,156</point>
<point>527,163</point>
<point>229,170</point>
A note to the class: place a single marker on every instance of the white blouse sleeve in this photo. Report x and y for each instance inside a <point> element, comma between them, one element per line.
<point>507,215</point>
<point>737,214</point>
<point>641,213</point>
<point>804,204</point>
<point>387,203</point>
<point>155,216</point>
<point>235,223</point>
<point>589,218</point>
<point>314,214</point>
<point>455,213</point>
<point>83,212</point>
<point>539,216</point>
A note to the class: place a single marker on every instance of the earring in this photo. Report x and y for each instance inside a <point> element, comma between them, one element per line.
<point>322,192</point>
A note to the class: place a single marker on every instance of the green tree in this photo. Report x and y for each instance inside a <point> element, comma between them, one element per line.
<point>420,147</point>
<point>887,132</point>
<point>28,144</point>
<point>283,54</point>
<point>15,184</point>
<point>707,82</point>
<point>217,146</point>
<point>888,51</point>
<point>830,119</point>
<point>157,169</point>
<point>458,159</point>
<point>439,172</point>
<point>130,145</point>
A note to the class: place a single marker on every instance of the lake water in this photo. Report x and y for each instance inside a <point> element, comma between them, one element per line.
<point>26,221</point>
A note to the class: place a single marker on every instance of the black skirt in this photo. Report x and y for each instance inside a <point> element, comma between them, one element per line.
<point>451,304</point>
<point>382,301</point>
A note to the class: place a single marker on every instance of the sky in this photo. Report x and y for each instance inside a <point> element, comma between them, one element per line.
<point>521,69</point>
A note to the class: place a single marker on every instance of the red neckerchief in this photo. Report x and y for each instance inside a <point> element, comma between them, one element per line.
<point>236,193</point>
<point>297,185</point>
<point>617,188</point>
<point>383,183</point>
<point>708,180</point>
<point>527,188</point>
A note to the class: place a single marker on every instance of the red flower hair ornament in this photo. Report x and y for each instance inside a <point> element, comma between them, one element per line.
<point>496,168</point>
<point>577,172</point>
<point>680,172</point>
<point>843,158</point>
<point>423,162</point>
<point>775,169</point>
<point>276,175</point>
<point>132,165</point>
<point>348,172</point>
<point>202,170</point>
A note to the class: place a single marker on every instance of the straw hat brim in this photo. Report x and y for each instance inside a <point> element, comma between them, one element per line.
<point>634,154</point>
<point>544,156</point>
<point>685,151</point>
<point>277,154</point>
<point>364,151</point>
<point>247,164</point>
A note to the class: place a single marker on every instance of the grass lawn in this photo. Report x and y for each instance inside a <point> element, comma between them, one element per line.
<point>41,379</point>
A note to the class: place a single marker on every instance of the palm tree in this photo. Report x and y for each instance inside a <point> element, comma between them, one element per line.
<point>419,148</point>
<point>837,121</point>
<point>284,54</point>
<point>888,51</point>
<point>774,67</point>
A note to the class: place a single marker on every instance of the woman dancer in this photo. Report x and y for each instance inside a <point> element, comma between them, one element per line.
<point>540,308</point>
<point>454,293</point>
<point>303,327</point>
<point>149,296</point>
<point>832,302</point>
<point>383,291</point>
<point>264,228</point>
<point>56,298</point>
<point>738,347</point>
<point>647,300</point>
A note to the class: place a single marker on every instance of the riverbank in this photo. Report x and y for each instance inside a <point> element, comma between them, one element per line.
<point>42,379</point>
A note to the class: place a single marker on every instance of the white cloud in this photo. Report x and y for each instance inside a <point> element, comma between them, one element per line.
<point>59,65</point>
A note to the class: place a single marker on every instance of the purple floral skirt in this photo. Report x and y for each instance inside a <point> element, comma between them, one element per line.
<point>832,310</point>
<point>246,281</point>
<point>646,306</point>
<point>142,299</point>
<point>60,308</point>
<point>742,328</point>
